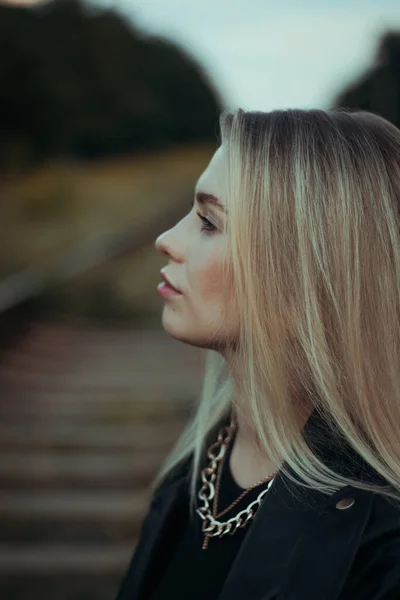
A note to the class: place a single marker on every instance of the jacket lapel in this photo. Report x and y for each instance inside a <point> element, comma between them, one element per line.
<point>160,511</point>
<point>300,546</point>
<point>325,553</point>
<point>293,552</point>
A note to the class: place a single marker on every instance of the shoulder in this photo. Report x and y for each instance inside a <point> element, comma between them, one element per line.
<point>385,513</point>
<point>375,572</point>
<point>178,475</point>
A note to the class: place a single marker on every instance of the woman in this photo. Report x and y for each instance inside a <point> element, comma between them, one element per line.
<point>286,483</point>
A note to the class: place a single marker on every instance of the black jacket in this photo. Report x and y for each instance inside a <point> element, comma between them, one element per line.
<point>345,546</point>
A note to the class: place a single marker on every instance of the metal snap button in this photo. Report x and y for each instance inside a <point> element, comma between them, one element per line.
<point>345,503</point>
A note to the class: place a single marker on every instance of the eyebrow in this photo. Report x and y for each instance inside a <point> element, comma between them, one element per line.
<point>203,198</point>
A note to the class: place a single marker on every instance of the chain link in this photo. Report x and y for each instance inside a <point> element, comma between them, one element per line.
<point>211,526</point>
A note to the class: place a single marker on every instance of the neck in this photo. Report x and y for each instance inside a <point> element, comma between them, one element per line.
<point>249,462</point>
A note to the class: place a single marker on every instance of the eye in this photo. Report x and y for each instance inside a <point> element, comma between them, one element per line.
<point>207,225</point>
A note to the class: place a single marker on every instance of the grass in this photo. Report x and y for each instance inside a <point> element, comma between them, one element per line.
<point>63,206</point>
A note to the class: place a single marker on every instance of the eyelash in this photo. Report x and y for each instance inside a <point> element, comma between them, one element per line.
<point>208,227</point>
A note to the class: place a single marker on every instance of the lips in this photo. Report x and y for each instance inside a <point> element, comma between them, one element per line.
<point>168,282</point>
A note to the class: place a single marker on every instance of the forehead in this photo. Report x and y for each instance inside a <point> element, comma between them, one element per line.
<point>212,178</point>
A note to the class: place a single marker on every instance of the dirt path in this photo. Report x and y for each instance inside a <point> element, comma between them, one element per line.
<point>86,417</point>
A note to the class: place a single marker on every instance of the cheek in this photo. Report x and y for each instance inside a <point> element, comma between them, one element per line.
<point>213,281</point>
<point>208,282</point>
<point>205,276</point>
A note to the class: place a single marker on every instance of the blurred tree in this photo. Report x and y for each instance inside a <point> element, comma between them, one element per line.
<point>79,81</point>
<point>378,90</point>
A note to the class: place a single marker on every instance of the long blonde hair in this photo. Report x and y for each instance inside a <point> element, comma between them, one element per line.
<point>313,247</point>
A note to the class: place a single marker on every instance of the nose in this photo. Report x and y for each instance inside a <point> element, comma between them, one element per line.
<point>170,243</point>
<point>160,244</point>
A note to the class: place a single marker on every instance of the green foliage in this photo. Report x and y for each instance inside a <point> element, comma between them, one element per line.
<point>80,82</point>
<point>378,90</point>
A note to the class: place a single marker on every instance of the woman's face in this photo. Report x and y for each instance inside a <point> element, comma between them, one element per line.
<point>194,248</point>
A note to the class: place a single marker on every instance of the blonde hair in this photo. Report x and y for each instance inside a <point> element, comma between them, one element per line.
<point>313,248</point>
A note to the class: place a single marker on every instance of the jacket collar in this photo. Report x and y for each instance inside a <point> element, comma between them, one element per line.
<point>290,531</point>
<point>277,538</point>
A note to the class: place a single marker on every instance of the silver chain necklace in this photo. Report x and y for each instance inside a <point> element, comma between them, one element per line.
<point>212,527</point>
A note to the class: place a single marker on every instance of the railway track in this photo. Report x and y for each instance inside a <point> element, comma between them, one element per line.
<point>87,415</point>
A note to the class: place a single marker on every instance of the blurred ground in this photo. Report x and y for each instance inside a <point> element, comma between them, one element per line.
<point>87,416</point>
<point>93,392</point>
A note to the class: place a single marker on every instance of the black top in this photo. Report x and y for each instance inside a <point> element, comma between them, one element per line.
<point>192,572</point>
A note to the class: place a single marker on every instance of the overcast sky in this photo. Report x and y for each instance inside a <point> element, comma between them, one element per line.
<point>266,54</point>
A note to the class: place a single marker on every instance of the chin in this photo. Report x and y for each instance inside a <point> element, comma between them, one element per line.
<point>172,326</point>
<point>178,332</point>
